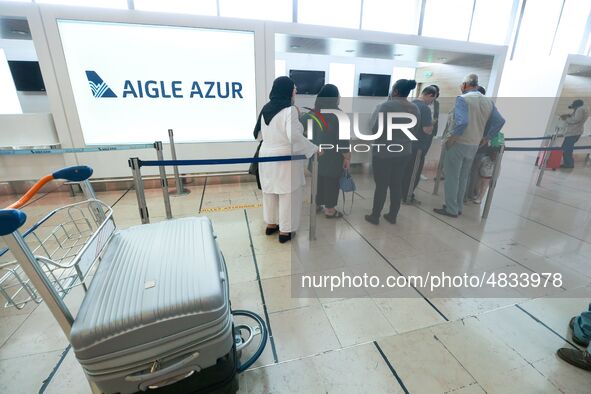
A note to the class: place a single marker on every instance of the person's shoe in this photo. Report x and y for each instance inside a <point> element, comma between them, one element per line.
<point>390,218</point>
<point>372,219</point>
<point>271,230</point>
<point>443,211</point>
<point>319,208</point>
<point>283,238</point>
<point>445,207</point>
<point>477,201</point>
<point>578,358</point>
<point>335,215</point>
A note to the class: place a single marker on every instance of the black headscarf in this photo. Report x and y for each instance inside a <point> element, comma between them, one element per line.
<point>279,98</point>
<point>328,98</point>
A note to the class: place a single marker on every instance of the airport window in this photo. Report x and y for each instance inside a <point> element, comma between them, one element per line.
<point>280,68</point>
<point>571,27</point>
<point>342,75</point>
<point>448,19</point>
<point>89,3</point>
<point>270,10</point>
<point>538,26</point>
<point>202,7</point>
<point>385,15</point>
<point>491,21</point>
<point>9,101</point>
<point>330,13</point>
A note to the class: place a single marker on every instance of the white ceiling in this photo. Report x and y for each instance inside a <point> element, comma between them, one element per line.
<point>355,48</point>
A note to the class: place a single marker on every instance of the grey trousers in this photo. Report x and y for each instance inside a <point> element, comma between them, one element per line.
<point>457,165</point>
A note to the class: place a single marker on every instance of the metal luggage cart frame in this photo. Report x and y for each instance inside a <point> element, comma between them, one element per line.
<point>58,252</point>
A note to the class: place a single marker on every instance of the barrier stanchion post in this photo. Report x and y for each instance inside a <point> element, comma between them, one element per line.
<point>89,194</point>
<point>493,183</point>
<point>413,177</point>
<point>314,188</point>
<point>163,180</point>
<point>439,169</point>
<point>180,190</point>
<point>546,157</point>
<point>134,164</point>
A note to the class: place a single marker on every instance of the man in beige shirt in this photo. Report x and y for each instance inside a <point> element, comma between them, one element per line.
<point>575,125</point>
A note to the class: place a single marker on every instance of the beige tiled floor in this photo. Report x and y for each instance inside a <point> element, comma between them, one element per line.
<point>370,340</point>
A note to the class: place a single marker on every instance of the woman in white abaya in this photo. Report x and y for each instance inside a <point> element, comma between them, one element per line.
<point>282,182</point>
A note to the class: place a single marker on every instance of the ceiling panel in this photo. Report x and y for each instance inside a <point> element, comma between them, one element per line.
<point>354,48</point>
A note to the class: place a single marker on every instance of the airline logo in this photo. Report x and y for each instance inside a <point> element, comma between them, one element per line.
<point>98,87</point>
<point>152,89</point>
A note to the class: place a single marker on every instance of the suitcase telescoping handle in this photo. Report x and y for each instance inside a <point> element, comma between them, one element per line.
<point>168,375</point>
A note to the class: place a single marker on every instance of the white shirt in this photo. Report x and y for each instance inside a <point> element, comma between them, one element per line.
<point>284,136</point>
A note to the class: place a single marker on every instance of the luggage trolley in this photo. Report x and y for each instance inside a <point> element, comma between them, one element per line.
<point>156,313</point>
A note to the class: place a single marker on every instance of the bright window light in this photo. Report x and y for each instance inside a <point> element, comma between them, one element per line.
<point>89,3</point>
<point>9,103</point>
<point>537,28</point>
<point>491,21</point>
<point>280,68</point>
<point>201,7</point>
<point>22,1</point>
<point>337,13</point>
<point>270,10</point>
<point>393,16</point>
<point>342,75</point>
<point>572,27</point>
<point>448,19</point>
<point>402,73</point>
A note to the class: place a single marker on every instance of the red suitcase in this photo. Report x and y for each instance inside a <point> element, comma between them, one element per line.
<point>554,160</point>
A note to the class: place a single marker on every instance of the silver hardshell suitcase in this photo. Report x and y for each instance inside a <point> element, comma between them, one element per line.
<point>157,312</point>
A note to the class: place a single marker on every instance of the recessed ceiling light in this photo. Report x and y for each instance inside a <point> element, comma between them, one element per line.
<point>19,32</point>
<point>295,46</point>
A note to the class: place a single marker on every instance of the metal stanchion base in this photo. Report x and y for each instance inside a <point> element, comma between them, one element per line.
<point>183,193</point>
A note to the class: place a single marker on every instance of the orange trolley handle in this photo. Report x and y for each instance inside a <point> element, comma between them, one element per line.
<point>72,174</point>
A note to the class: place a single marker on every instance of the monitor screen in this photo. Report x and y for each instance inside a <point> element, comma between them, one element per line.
<point>27,76</point>
<point>307,82</point>
<point>133,82</point>
<point>377,85</point>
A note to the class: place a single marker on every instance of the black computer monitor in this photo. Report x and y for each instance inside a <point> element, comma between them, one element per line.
<point>307,82</point>
<point>27,76</point>
<point>375,85</point>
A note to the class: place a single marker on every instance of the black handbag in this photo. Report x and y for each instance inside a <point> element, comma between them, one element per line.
<point>254,167</point>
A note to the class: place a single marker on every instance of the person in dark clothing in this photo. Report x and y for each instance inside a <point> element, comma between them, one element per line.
<point>425,137</point>
<point>389,167</point>
<point>332,161</point>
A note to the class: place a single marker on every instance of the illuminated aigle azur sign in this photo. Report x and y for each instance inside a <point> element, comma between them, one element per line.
<point>163,89</point>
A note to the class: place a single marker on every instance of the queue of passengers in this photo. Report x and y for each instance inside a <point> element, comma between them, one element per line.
<point>472,123</point>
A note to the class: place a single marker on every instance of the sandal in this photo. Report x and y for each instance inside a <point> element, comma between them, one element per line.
<point>335,215</point>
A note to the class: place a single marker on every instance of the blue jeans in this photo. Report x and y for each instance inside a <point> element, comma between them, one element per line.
<point>582,328</point>
<point>567,150</point>
<point>457,165</point>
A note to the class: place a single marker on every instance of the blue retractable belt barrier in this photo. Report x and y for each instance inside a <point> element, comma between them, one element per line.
<point>524,149</point>
<point>156,163</point>
<point>18,152</point>
<point>549,137</point>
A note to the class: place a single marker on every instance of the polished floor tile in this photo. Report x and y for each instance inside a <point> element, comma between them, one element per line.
<point>450,342</point>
